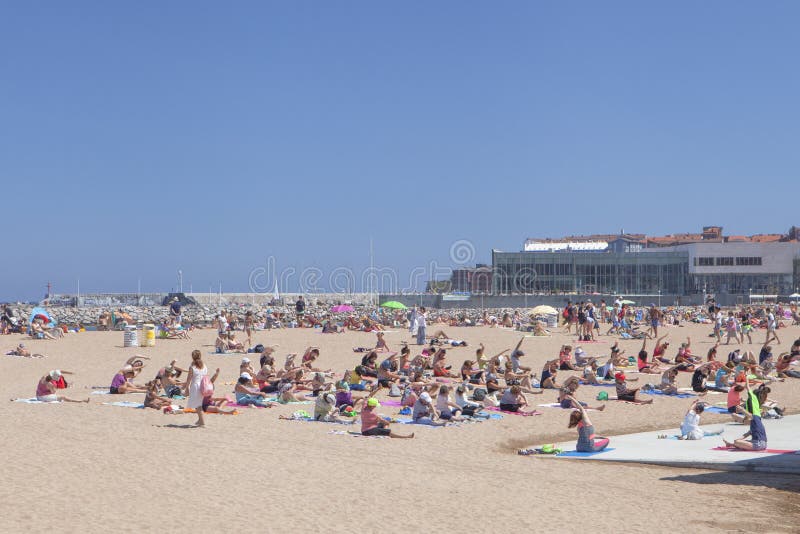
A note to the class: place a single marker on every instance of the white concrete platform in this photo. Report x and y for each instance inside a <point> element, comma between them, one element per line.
<point>647,448</point>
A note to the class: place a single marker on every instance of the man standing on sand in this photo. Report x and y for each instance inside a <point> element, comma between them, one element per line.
<point>175,311</point>
<point>421,324</point>
<point>300,310</point>
<point>655,318</point>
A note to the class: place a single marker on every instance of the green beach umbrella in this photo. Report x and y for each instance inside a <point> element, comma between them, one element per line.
<point>394,305</point>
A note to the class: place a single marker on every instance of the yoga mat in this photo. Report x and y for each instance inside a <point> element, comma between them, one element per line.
<point>101,392</point>
<point>35,401</point>
<point>773,451</point>
<point>125,404</point>
<point>601,385</point>
<point>523,414</point>
<point>716,409</point>
<point>675,396</point>
<point>576,454</point>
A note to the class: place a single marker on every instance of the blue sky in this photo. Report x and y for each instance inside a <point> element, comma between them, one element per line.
<point>139,138</point>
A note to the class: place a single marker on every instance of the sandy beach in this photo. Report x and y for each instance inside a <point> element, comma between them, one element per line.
<point>74,467</point>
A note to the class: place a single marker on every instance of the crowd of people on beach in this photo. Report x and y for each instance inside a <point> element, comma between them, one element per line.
<point>432,390</point>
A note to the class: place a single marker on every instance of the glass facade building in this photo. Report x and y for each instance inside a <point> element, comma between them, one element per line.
<point>629,273</point>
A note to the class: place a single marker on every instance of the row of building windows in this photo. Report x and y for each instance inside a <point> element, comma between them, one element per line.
<point>726,261</point>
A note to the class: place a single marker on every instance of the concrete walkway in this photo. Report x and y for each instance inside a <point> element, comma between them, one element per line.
<point>647,448</point>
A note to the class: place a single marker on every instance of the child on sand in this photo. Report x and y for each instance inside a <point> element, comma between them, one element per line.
<point>690,428</point>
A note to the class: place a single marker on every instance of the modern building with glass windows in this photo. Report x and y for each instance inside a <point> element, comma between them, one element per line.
<point>632,264</point>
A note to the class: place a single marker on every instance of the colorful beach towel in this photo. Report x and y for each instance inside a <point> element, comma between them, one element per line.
<point>769,451</point>
<point>523,414</point>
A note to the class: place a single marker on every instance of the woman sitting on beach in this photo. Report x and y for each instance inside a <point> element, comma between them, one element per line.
<point>247,394</point>
<point>587,440</point>
<point>492,382</point>
<point>233,343</point>
<point>548,380</point>
<point>448,410</point>
<point>626,394</point>
<point>513,400</point>
<point>292,390</point>
<point>470,374</point>
<point>467,407</point>
<point>566,395</point>
<point>309,358</point>
<point>373,424</point>
<point>121,383</point>
<point>757,432</point>
<point>167,378</point>
<point>440,367</point>
<point>565,359</point>
<point>38,331</point>
<point>519,379</point>
<point>221,343</point>
<point>700,376</point>
<point>46,388</point>
<point>368,364</point>
<point>152,399</point>
<point>424,412</point>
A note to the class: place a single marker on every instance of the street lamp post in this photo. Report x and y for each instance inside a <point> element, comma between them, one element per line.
<point>180,281</point>
<point>659,298</point>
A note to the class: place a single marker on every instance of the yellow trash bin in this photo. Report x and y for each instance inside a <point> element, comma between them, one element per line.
<point>148,335</point>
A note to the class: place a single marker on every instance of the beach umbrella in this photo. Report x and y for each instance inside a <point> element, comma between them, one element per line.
<point>544,310</point>
<point>342,308</point>
<point>628,302</point>
<point>393,304</point>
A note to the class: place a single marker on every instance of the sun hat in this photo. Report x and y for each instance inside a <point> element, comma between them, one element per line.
<point>55,374</point>
<point>245,360</point>
<point>246,376</point>
<point>619,376</point>
<point>372,402</point>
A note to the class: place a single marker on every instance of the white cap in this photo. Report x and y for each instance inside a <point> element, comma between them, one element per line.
<point>245,360</point>
<point>425,396</point>
<point>55,374</point>
<point>246,375</point>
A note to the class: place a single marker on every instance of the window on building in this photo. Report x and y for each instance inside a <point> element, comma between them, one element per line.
<point>748,260</point>
<point>704,261</point>
<point>725,261</point>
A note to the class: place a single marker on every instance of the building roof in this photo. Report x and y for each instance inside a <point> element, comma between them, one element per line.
<point>599,242</point>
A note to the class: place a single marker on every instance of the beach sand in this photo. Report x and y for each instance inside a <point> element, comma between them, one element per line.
<point>74,467</point>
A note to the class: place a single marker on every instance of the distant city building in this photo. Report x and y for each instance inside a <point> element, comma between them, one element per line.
<point>472,280</point>
<point>678,264</point>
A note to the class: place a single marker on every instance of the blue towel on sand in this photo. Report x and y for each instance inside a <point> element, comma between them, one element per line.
<point>577,454</point>
<point>676,396</point>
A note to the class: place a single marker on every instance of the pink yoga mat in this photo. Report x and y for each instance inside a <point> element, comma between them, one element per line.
<point>773,451</point>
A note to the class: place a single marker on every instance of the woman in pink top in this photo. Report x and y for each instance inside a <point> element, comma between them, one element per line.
<point>738,413</point>
<point>372,424</point>
<point>46,388</point>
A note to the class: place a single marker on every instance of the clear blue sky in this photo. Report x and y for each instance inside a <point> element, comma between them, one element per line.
<point>139,138</point>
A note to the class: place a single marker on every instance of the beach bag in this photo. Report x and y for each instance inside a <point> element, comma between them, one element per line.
<point>206,387</point>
